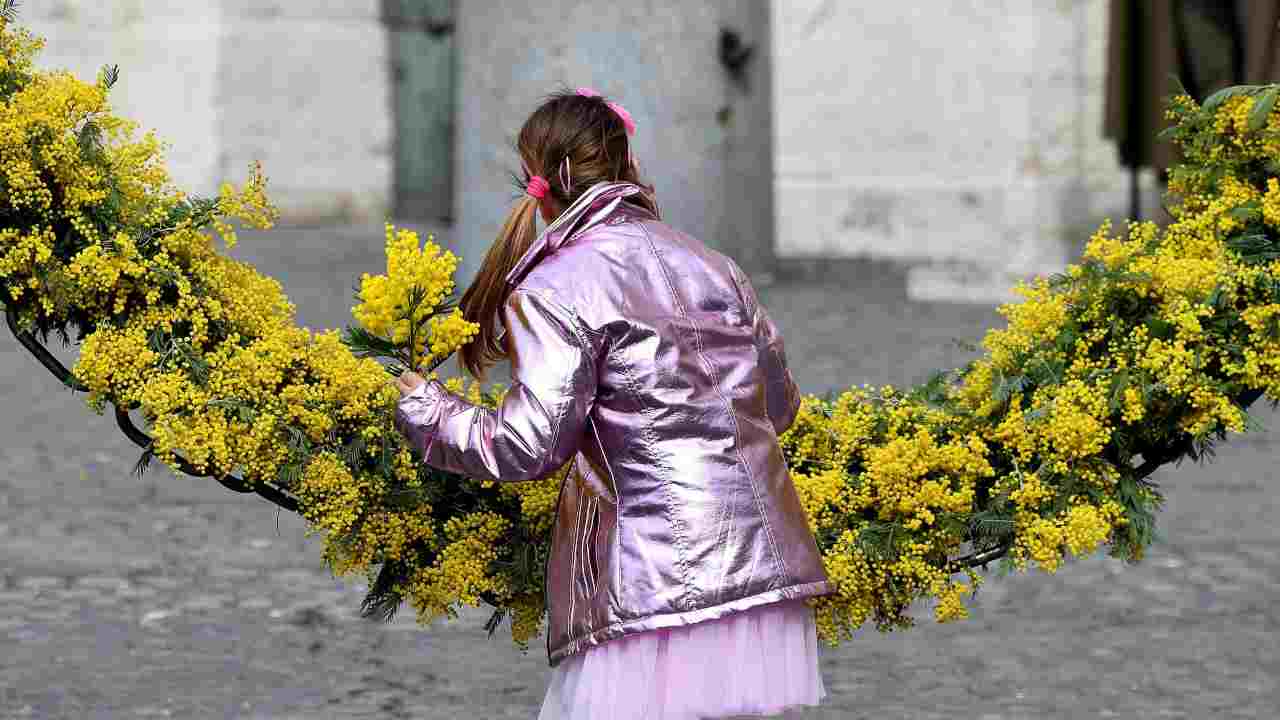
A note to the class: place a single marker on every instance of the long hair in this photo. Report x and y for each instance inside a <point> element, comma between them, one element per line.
<point>592,136</point>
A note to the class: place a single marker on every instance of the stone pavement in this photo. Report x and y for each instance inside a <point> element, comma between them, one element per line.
<point>172,597</point>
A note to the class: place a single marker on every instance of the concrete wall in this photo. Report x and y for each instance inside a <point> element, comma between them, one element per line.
<point>303,87</point>
<point>699,138</point>
<point>306,88</point>
<point>168,57</point>
<point>962,138</point>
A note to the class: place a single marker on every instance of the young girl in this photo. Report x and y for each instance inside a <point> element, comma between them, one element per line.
<point>681,556</point>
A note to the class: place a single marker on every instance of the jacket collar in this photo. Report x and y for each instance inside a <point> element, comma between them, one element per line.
<point>593,207</point>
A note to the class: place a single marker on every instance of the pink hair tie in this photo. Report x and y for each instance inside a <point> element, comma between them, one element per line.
<point>627,121</point>
<point>626,117</point>
<point>537,187</point>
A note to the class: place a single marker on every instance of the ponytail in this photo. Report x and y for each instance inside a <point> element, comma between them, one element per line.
<point>574,140</point>
<point>483,300</point>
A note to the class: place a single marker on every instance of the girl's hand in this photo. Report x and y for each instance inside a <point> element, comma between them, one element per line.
<point>408,382</point>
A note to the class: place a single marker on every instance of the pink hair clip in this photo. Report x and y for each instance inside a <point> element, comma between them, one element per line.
<point>627,121</point>
<point>566,173</point>
<point>537,187</point>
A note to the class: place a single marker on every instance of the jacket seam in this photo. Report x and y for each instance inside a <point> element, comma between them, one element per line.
<point>723,529</point>
<point>742,293</point>
<point>573,564</point>
<point>580,332</point>
<point>650,437</point>
<point>550,299</point>
<point>772,346</point>
<point>646,431</point>
<point>749,301</point>
<point>733,415</point>
<point>677,527</point>
<point>593,533</point>
<point>590,585</point>
<point>753,304</point>
<point>582,348</point>
<point>546,575</point>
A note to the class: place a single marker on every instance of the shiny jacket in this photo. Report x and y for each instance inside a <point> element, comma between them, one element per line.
<point>645,357</point>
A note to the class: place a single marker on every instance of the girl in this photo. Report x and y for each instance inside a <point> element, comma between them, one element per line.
<point>681,556</point>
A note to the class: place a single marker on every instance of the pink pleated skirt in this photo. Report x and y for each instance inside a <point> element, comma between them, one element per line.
<point>760,662</point>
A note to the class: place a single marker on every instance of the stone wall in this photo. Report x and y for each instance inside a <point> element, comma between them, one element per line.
<point>703,140</point>
<point>961,138</point>
<point>302,87</point>
<point>307,88</point>
<point>168,57</point>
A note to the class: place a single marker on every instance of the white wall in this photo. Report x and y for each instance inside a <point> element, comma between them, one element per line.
<point>659,59</point>
<point>168,57</point>
<point>305,87</point>
<point>302,87</point>
<point>961,137</point>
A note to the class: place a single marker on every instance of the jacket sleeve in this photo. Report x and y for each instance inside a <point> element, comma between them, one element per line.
<point>782,396</point>
<point>538,426</point>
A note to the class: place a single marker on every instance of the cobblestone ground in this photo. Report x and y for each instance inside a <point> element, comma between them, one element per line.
<point>172,597</point>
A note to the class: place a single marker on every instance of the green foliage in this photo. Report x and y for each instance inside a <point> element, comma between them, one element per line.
<point>109,76</point>
<point>1255,248</point>
<point>1211,103</point>
<point>1036,376</point>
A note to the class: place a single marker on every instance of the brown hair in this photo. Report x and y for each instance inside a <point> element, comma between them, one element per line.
<point>588,132</point>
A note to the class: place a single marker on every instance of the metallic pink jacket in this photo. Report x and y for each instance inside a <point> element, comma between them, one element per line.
<point>645,357</point>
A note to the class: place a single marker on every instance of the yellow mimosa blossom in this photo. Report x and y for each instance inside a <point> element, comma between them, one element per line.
<point>1031,452</point>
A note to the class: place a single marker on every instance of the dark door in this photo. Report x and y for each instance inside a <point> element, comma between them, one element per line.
<point>421,37</point>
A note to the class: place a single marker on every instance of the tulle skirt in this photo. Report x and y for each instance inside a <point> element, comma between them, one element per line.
<point>757,662</point>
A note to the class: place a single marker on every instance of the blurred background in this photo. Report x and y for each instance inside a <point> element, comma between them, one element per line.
<point>969,143</point>
<point>885,171</point>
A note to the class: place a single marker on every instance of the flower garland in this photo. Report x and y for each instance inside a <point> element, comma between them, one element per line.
<point>1150,348</point>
